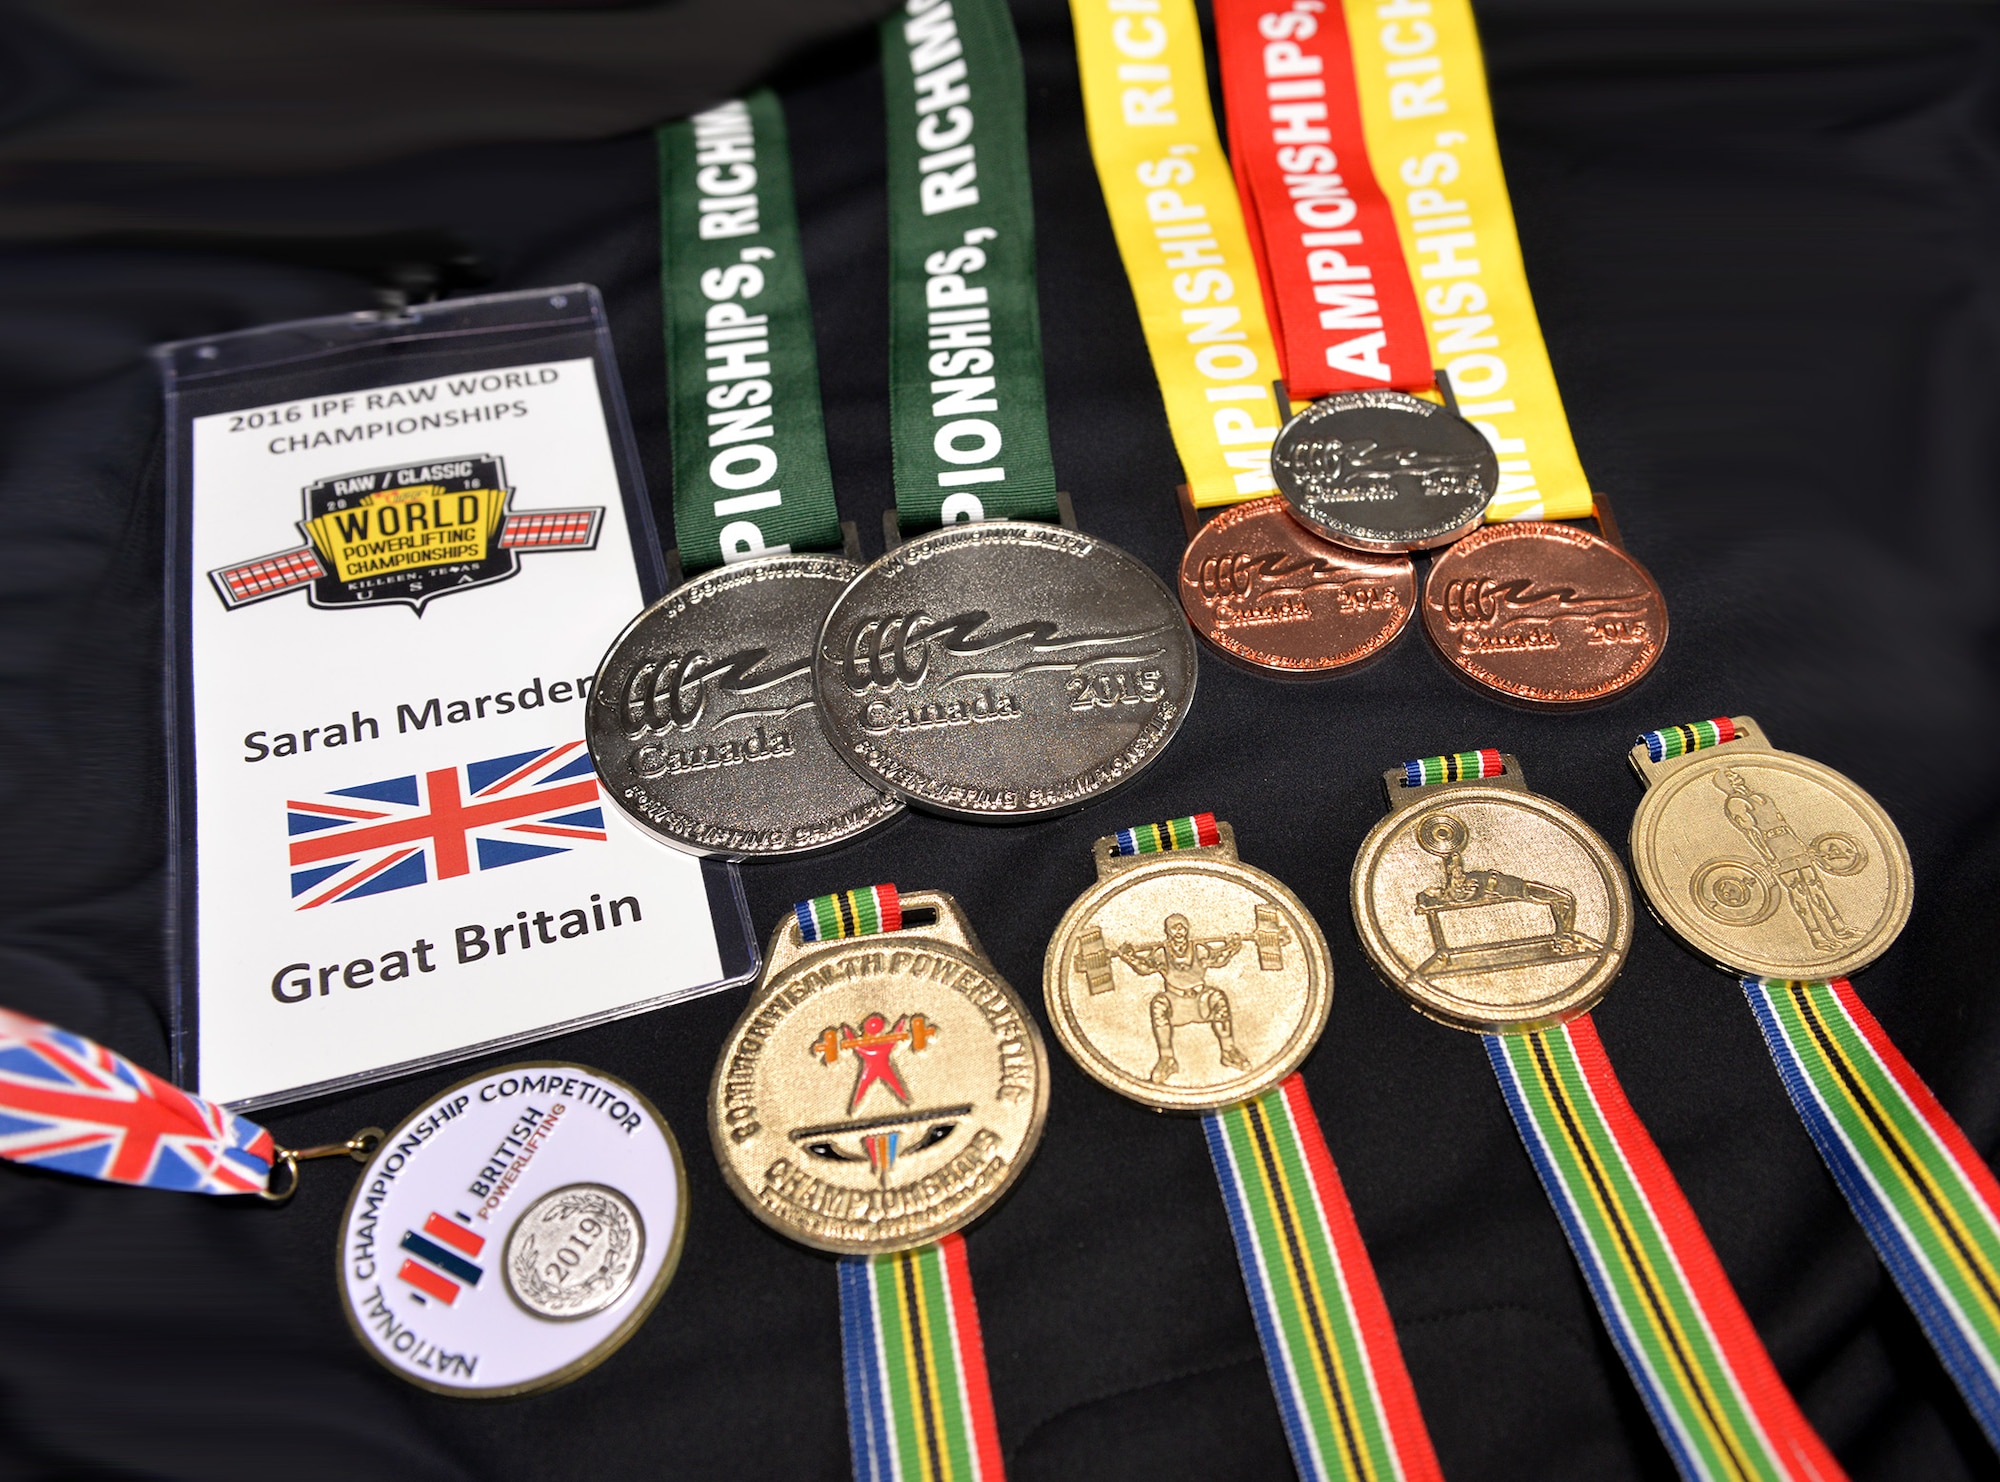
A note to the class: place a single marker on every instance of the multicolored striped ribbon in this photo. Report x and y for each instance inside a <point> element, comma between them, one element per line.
<point>850,913</point>
<point>919,1408</point>
<point>1335,1366</point>
<point>1463,766</point>
<point>1195,831</point>
<point>1695,735</point>
<point>1921,1191</point>
<point>1712,1390</point>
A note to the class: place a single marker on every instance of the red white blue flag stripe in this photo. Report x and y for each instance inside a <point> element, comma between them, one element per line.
<point>439,824</point>
<point>69,1104</point>
<point>429,1246</point>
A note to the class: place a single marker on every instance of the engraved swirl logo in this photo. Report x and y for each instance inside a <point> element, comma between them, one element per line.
<point>1254,588</point>
<point>1343,471</point>
<point>971,671</point>
<point>1489,614</point>
<point>667,697</point>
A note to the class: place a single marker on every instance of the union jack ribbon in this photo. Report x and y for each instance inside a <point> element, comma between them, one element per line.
<point>286,571</point>
<point>69,1104</point>
<point>406,831</point>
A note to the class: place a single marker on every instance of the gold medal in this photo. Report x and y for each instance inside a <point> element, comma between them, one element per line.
<point>1491,907</point>
<point>1768,864</point>
<point>1184,978</point>
<point>880,1091</point>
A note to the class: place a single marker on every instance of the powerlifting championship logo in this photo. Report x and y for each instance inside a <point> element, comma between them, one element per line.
<point>407,534</point>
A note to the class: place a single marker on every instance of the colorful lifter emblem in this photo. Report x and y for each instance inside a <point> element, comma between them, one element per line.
<point>872,1049</point>
<point>942,1105</point>
<point>882,1137</point>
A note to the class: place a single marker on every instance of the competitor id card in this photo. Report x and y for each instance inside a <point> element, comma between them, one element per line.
<point>398,547</point>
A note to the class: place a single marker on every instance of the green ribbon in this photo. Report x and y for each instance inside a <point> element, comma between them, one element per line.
<point>967,414</point>
<point>750,465</point>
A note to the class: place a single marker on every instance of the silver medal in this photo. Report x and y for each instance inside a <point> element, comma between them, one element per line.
<point>574,1251</point>
<point>702,723</point>
<point>1007,669</point>
<point>1384,471</point>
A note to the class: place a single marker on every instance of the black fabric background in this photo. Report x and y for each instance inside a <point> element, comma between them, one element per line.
<point>1761,241</point>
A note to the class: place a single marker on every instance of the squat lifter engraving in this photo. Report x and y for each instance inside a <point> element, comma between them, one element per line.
<point>1182,963</point>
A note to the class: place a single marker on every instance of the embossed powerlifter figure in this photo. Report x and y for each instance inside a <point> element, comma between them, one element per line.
<point>1182,964</point>
<point>1464,889</point>
<point>1796,863</point>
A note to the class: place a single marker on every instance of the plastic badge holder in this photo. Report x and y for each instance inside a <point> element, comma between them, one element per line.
<point>397,546</point>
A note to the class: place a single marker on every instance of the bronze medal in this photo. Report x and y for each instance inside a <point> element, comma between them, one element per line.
<point>1544,613</point>
<point>1269,594</point>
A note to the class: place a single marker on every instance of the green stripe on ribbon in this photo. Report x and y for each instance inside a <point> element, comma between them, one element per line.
<point>1694,735</point>
<point>1922,1193</point>
<point>850,913</point>
<point>749,445</point>
<point>1336,1369</point>
<point>1459,766</point>
<point>1191,831</point>
<point>1697,1363</point>
<point>968,417</point>
<point>919,1407</point>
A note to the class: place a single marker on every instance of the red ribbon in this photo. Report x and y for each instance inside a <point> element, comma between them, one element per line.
<point>1323,234</point>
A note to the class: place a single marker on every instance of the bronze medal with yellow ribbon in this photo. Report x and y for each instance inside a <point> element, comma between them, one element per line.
<point>1376,217</point>
<point>1262,589</point>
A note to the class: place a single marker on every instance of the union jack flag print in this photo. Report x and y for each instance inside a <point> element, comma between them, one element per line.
<point>69,1104</point>
<point>435,825</point>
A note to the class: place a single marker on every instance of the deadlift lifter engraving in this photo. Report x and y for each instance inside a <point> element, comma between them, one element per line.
<point>1739,893</point>
<point>1768,863</point>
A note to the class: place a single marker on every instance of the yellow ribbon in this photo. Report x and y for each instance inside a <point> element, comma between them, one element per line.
<point>1430,139</point>
<point>1180,232</point>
